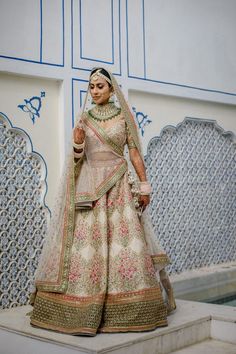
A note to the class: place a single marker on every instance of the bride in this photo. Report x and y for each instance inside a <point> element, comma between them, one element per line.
<point>100,264</point>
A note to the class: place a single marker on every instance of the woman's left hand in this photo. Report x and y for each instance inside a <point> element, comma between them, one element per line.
<point>144,200</point>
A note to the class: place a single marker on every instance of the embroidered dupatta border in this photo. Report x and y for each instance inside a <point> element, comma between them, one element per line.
<point>160,259</point>
<point>105,185</point>
<point>61,284</point>
<point>116,174</point>
<point>101,133</point>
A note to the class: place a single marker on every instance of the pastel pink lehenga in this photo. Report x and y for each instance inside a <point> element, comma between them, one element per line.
<point>100,275</point>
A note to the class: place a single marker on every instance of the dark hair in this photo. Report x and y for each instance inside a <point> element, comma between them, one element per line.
<point>103,71</point>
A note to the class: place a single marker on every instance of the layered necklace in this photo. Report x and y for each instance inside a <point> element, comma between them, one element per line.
<point>104,112</point>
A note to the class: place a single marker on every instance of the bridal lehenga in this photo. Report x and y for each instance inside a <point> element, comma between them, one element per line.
<point>99,266</point>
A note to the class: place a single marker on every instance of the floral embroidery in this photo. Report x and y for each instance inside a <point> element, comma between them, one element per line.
<point>123,229</point>
<point>96,271</point>
<point>110,203</point>
<point>75,269</point>
<point>96,232</point>
<point>127,268</point>
<point>149,265</point>
<point>80,233</point>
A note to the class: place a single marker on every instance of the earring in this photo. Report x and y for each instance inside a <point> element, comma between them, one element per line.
<point>111,99</point>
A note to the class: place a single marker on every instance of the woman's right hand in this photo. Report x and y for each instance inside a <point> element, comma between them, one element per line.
<point>79,135</point>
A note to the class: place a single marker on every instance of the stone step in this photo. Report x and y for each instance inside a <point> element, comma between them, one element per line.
<point>209,347</point>
<point>191,323</point>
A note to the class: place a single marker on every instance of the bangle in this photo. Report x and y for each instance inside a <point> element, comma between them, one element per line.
<point>79,146</point>
<point>78,155</point>
<point>145,188</point>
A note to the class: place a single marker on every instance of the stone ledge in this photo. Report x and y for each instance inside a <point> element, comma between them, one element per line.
<point>209,347</point>
<point>206,283</point>
<point>191,323</point>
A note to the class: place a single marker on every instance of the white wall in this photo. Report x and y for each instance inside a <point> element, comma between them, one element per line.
<point>14,90</point>
<point>165,110</point>
<point>179,55</point>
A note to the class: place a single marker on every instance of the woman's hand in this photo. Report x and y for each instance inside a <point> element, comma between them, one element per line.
<point>79,135</point>
<point>144,200</point>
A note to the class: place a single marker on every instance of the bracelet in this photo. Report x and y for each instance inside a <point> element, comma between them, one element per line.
<point>145,188</point>
<point>78,155</point>
<point>79,146</point>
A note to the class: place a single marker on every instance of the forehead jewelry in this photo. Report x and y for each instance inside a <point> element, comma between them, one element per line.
<point>98,74</point>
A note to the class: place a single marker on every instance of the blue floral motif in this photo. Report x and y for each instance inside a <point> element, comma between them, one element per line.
<point>142,120</point>
<point>32,106</point>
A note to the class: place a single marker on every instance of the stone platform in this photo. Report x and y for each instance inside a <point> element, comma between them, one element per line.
<point>191,323</point>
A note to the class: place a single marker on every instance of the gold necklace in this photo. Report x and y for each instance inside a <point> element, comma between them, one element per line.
<point>104,112</point>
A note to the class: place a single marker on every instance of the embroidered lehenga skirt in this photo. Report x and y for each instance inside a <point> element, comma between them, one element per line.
<point>112,285</point>
<point>98,274</point>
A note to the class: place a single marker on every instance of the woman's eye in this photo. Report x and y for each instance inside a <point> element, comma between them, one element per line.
<point>100,86</point>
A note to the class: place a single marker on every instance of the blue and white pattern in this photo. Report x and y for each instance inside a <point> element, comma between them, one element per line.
<point>23,215</point>
<point>32,106</point>
<point>142,120</point>
<point>193,209</point>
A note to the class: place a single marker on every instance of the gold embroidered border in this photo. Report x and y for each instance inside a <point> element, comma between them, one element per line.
<point>52,313</point>
<point>62,282</point>
<point>105,185</point>
<point>135,296</point>
<point>132,127</point>
<point>160,259</point>
<point>135,311</point>
<point>72,300</point>
<point>101,133</point>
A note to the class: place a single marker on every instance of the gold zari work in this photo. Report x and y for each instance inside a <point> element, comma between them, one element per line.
<point>161,259</point>
<point>116,314</point>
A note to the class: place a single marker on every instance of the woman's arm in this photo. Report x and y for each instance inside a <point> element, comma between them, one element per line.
<point>138,164</point>
<point>79,139</point>
<point>139,167</point>
<point>79,135</point>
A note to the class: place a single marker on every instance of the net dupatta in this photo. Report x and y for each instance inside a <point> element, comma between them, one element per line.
<point>160,259</point>
<point>53,269</point>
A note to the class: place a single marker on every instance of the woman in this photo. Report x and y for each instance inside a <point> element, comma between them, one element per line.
<point>97,270</point>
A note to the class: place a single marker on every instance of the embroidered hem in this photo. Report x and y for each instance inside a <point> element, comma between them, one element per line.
<point>75,315</point>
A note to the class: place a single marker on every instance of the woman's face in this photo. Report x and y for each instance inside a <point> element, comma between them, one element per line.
<point>100,90</point>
